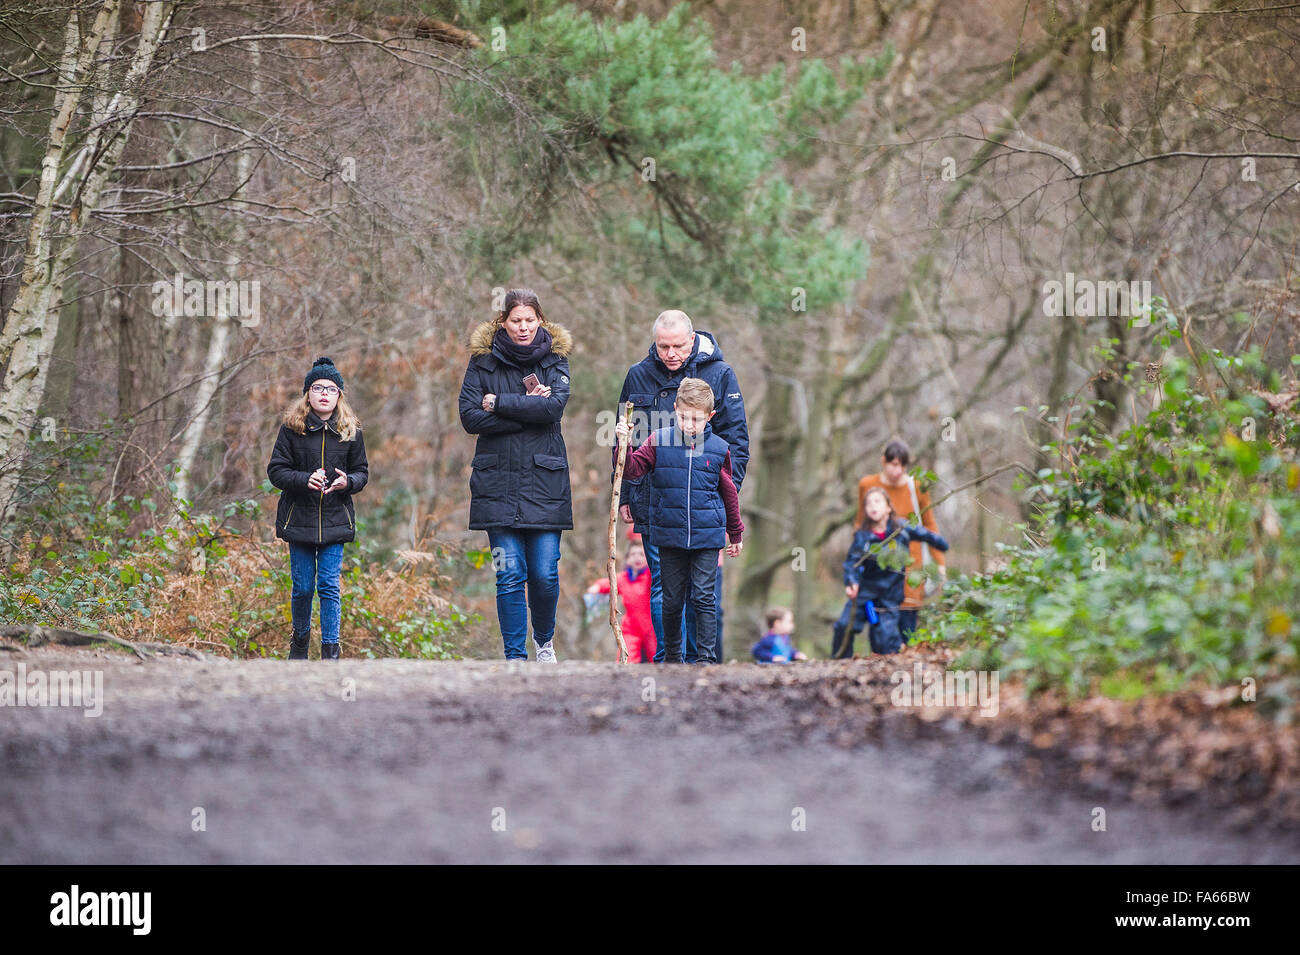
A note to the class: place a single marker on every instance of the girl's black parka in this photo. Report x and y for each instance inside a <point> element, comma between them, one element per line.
<point>304,516</point>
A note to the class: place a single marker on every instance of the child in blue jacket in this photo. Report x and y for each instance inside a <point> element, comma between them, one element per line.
<point>873,576</point>
<point>694,513</point>
<point>776,646</point>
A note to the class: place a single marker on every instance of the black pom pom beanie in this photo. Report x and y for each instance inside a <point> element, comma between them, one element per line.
<point>322,368</point>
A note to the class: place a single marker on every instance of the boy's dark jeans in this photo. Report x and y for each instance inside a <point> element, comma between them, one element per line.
<point>694,572</point>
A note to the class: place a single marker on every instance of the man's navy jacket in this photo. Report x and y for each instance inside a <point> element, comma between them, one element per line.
<point>652,389</point>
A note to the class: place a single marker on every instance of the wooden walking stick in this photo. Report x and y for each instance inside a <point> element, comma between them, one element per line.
<point>611,566</point>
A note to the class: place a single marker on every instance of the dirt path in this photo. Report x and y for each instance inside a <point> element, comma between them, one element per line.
<point>573,760</point>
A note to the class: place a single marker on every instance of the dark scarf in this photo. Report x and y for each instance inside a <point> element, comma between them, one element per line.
<point>523,355</point>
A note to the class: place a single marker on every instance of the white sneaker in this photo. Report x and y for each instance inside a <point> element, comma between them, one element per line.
<point>545,651</point>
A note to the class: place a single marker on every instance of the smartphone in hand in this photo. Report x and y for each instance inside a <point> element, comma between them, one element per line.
<point>532,383</point>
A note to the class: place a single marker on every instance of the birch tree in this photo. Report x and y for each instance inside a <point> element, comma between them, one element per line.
<point>32,323</point>
<point>215,361</point>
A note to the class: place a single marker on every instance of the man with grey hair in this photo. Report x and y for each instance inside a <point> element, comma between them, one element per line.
<point>679,351</point>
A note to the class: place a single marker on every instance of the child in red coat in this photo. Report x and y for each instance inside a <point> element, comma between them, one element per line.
<point>634,588</point>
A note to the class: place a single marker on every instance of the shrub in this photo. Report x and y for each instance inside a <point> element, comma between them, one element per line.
<point>1161,557</point>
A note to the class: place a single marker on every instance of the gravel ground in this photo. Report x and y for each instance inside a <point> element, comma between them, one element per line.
<point>471,761</point>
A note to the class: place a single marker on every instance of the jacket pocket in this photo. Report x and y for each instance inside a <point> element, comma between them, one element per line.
<point>551,475</point>
<point>646,418</point>
<point>645,415</point>
<point>485,478</point>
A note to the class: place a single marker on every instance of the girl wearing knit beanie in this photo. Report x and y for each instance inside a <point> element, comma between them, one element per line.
<point>319,463</point>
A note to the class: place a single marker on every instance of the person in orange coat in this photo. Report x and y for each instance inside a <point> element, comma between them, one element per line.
<point>634,588</point>
<point>896,482</point>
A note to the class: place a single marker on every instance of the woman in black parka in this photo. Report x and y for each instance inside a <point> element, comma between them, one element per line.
<point>513,397</point>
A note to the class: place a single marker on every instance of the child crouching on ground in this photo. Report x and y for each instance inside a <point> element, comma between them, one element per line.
<point>694,511</point>
<point>873,576</point>
<point>777,645</point>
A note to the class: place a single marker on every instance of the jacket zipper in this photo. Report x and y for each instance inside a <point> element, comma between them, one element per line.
<point>320,530</point>
<point>288,517</point>
<point>690,454</point>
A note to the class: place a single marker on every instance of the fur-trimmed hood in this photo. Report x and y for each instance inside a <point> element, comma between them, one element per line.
<point>480,340</point>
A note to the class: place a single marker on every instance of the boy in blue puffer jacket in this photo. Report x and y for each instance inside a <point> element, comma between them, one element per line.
<point>694,512</point>
<point>873,576</point>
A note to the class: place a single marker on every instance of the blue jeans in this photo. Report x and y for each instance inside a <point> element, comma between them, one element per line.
<point>689,627</point>
<point>314,567</point>
<point>526,562</point>
<point>657,608</point>
<point>689,578</point>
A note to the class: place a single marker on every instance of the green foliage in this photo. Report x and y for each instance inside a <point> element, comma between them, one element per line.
<point>80,560</point>
<point>253,614</point>
<point>717,215</point>
<point>256,611</point>
<point>127,565</point>
<point>425,632</point>
<point>1160,557</point>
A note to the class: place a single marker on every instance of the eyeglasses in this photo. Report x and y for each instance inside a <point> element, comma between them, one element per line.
<point>324,390</point>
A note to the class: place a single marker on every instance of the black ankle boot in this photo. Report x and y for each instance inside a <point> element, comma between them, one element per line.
<point>298,646</point>
<point>329,651</point>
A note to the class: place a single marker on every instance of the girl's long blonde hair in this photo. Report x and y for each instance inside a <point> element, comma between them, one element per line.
<point>345,420</point>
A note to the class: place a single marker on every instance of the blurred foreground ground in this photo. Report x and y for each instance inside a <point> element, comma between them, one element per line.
<point>494,762</point>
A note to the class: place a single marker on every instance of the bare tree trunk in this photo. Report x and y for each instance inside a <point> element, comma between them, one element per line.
<point>1057,386</point>
<point>218,345</point>
<point>204,391</point>
<point>778,439</point>
<point>32,324</point>
<point>62,380</point>
<point>812,490</point>
<point>72,80</point>
<point>141,367</point>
